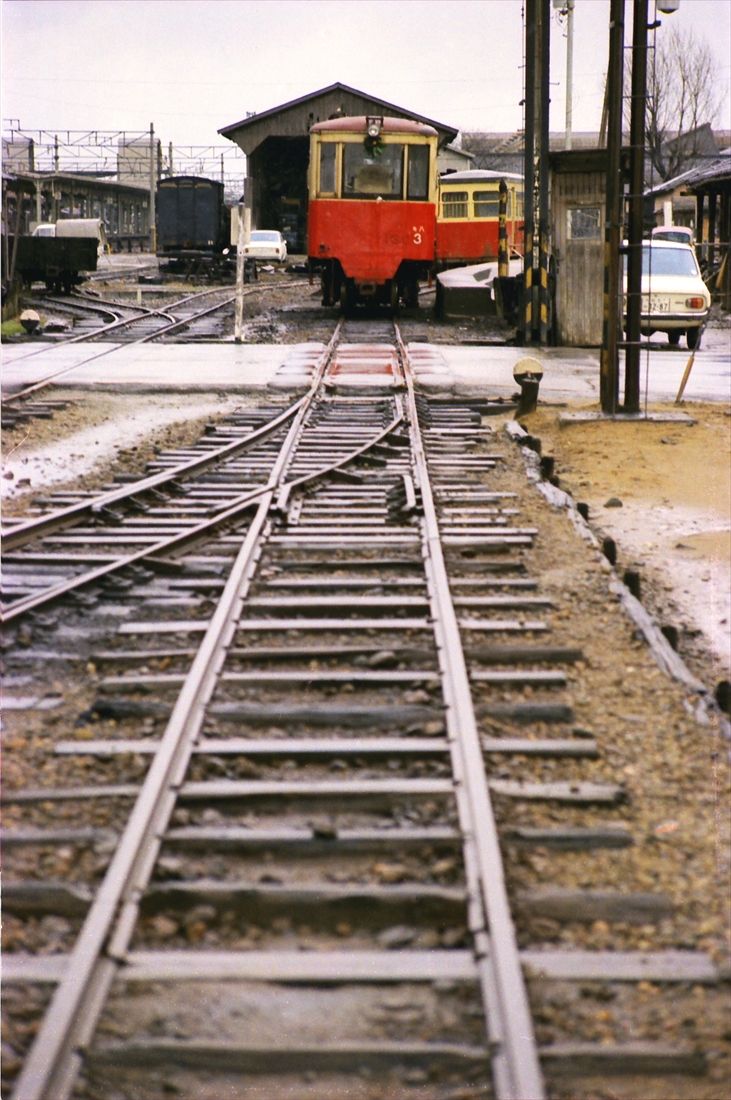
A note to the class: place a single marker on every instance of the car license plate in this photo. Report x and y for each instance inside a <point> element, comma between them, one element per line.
<point>658,303</point>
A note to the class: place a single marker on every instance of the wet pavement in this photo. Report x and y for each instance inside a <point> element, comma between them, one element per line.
<point>570,374</point>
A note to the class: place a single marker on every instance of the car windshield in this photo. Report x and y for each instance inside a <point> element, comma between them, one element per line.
<point>668,261</point>
<point>262,235</point>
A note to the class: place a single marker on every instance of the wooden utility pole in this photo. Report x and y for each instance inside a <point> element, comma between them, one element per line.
<point>534,320</point>
<point>636,207</point>
<point>613,222</point>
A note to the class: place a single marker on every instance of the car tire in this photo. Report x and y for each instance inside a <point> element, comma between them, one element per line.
<point>674,336</point>
<point>693,338</point>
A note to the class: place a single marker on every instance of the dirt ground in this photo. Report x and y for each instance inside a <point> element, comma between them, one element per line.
<point>662,491</point>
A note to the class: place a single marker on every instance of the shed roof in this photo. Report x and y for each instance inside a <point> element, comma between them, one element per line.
<point>714,170</point>
<point>253,130</point>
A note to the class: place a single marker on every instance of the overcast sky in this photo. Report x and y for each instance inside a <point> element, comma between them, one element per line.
<point>194,66</point>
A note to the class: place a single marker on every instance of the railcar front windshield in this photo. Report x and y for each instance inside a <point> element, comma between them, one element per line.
<point>376,174</point>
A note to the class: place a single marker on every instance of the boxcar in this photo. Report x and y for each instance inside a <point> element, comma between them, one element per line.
<point>372,208</point>
<point>467,219</point>
<point>192,224</point>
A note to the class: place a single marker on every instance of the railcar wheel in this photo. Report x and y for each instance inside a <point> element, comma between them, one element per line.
<point>392,293</point>
<point>348,296</point>
<point>412,293</point>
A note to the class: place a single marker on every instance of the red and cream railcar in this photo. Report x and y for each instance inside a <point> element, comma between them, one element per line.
<point>372,208</point>
<point>468,217</point>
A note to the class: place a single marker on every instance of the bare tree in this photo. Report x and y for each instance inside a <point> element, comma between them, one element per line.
<point>683,100</point>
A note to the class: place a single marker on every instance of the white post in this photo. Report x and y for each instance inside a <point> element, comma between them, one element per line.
<point>153,185</point>
<point>239,312</point>
<point>569,68</point>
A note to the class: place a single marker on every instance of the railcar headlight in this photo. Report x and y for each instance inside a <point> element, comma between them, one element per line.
<point>373,128</point>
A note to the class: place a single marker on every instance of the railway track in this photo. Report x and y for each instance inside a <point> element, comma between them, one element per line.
<point>326,819</point>
<point>124,324</point>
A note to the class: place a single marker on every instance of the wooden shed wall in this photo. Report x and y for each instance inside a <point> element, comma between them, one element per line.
<point>578,200</point>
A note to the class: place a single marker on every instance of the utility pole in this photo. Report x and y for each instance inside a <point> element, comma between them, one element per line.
<point>636,207</point>
<point>534,320</point>
<point>569,69</point>
<point>614,214</point>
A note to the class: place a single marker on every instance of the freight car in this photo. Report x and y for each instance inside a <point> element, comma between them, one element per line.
<point>372,208</point>
<point>193,228</point>
<point>59,262</point>
<point>468,217</point>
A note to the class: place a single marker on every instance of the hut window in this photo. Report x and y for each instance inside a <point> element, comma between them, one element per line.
<point>585,223</point>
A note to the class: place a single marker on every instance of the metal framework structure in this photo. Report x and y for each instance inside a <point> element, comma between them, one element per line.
<point>124,153</point>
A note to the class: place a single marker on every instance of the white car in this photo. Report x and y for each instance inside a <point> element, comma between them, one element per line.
<point>680,233</point>
<point>675,299</point>
<point>266,244</point>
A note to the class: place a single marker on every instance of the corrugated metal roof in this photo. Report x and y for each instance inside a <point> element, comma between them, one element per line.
<point>251,120</point>
<point>716,169</point>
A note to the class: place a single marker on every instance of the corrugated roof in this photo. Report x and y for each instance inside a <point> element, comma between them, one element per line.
<point>715,169</point>
<point>251,120</point>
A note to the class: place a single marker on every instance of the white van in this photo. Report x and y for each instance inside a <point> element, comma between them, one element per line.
<point>84,227</point>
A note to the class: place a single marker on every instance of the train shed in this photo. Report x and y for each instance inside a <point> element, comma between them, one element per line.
<point>276,143</point>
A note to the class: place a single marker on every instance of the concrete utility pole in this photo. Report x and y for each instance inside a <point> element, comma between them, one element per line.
<point>569,69</point>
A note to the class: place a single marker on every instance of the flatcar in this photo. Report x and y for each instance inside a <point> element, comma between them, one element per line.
<point>468,217</point>
<point>193,227</point>
<point>372,208</point>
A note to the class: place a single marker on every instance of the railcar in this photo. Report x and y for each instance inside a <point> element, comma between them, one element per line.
<point>193,227</point>
<point>60,262</point>
<point>372,208</point>
<point>468,217</point>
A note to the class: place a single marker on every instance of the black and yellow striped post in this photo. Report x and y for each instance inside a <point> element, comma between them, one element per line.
<point>535,319</point>
<point>527,333</point>
<point>543,295</point>
<point>503,268</point>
